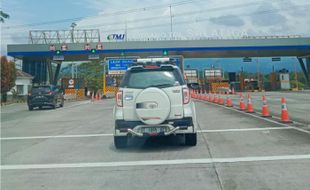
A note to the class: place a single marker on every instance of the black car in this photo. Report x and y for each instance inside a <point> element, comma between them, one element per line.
<point>45,96</point>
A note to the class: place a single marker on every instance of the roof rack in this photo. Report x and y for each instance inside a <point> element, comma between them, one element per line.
<point>154,62</point>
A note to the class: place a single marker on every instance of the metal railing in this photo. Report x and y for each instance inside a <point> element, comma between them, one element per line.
<point>63,36</point>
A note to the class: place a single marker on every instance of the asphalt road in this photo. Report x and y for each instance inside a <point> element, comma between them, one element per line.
<point>72,148</point>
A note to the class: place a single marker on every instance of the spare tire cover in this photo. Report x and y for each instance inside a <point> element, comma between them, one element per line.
<point>152,106</point>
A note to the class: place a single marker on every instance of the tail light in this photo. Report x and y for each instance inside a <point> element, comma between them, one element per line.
<point>119,98</point>
<point>50,93</point>
<point>186,96</point>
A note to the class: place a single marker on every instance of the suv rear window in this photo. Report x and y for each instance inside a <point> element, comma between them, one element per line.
<point>152,78</point>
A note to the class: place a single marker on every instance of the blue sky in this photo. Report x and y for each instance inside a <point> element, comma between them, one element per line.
<point>36,11</point>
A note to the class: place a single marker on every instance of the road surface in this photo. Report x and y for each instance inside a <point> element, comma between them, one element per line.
<point>72,148</point>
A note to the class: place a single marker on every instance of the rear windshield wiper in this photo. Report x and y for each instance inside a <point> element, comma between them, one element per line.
<point>161,85</point>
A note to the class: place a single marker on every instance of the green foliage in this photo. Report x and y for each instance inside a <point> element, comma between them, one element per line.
<point>92,73</point>
<point>295,84</point>
<point>8,75</point>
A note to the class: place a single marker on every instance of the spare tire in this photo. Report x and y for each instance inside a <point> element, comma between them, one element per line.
<point>152,106</point>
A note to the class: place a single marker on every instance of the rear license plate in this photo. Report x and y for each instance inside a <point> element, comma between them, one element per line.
<point>153,129</point>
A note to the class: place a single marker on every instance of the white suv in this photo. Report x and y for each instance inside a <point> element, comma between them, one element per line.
<point>154,100</point>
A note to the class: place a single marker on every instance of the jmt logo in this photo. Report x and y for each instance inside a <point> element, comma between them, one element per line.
<point>116,37</point>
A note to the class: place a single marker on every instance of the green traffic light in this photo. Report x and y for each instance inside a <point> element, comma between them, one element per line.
<point>93,51</point>
<point>165,53</point>
<point>58,52</point>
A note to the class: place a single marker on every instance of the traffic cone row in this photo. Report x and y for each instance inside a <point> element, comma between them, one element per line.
<point>96,97</point>
<point>217,98</point>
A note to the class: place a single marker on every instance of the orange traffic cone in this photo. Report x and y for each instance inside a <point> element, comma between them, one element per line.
<point>97,96</point>
<point>211,97</point>
<point>228,102</point>
<point>202,96</point>
<point>233,91</point>
<point>221,100</point>
<point>241,104</point>
<point>284,113</point>
<point>206,96</point>
<point>265,108</point>
<point>93,97</point>
<point>250,105</point>
<point>215,99</point>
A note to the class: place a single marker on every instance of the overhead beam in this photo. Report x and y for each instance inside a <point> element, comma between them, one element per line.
<point>308,69</point>
<point>304,70</point>
<point>50,72</point>
<point>57,73</point>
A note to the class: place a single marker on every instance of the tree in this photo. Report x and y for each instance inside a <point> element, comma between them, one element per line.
<point>3,16</point>
<point>8,76</point>
<point>90,72</point>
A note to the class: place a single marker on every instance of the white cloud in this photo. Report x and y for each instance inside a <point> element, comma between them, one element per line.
<point>202,17</point>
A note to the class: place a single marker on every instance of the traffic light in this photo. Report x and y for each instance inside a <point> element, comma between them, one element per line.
<point>93,51</point>
<point>247,59</point>
<point>165,52</point>
<point>58,52</point>
<point>276,59</point>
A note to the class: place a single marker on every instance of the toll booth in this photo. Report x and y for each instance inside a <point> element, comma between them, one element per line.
<point>214,80</point>
<point>284,79</point>
<point>74,88</point>
<point>191,75</point>
<point>251,84</point>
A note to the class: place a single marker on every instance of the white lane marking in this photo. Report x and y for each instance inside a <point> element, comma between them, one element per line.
<point>110,134</point>
<point>155,162</point>
<point>262,118</point>
<point>245,129</point>
<point>57,136</point>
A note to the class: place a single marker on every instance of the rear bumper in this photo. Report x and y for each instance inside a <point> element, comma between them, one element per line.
<point>177,126</point>
<point>182,123</point>
<point>41,103</point>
